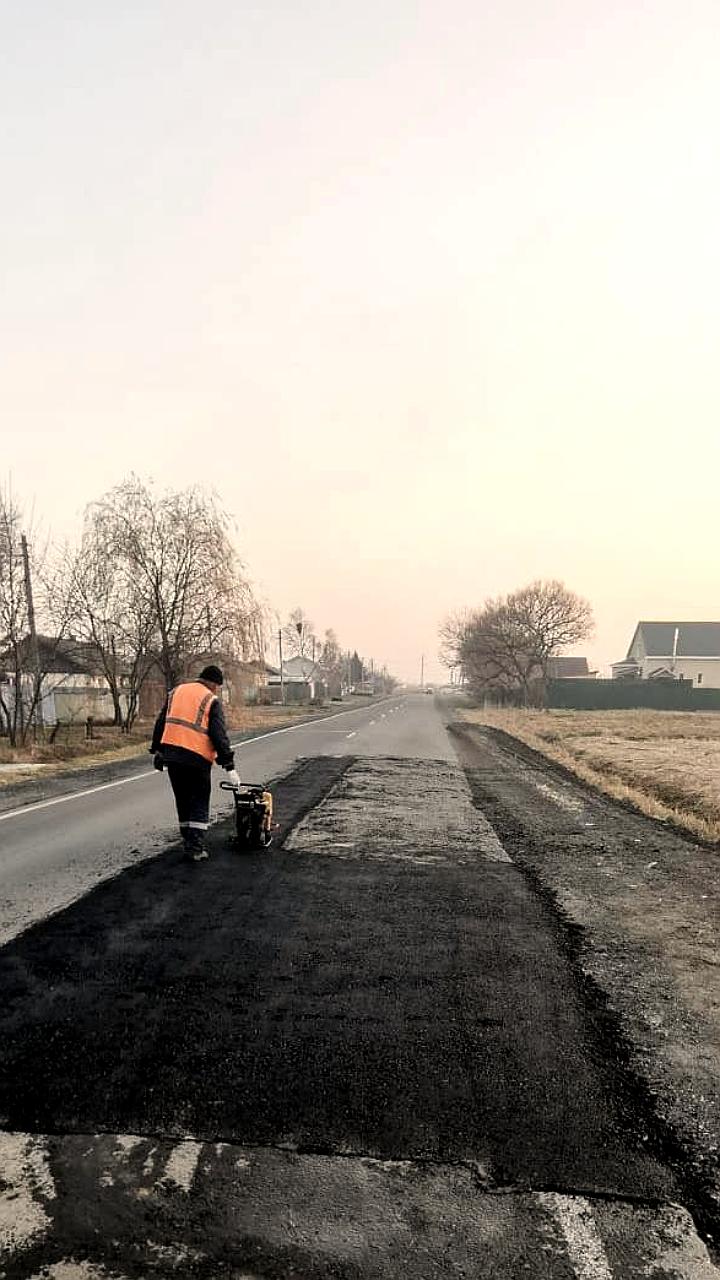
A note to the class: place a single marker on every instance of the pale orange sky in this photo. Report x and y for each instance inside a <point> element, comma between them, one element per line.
<point>429,293</point>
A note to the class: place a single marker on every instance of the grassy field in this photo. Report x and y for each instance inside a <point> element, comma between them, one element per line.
<point>666,763</point>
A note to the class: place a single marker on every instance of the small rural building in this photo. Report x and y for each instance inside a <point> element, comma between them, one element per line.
<point>673,651</point>
<point>73,684</point>
<point>244,682</point>
<point>567,668</point>
<point>302,680</point>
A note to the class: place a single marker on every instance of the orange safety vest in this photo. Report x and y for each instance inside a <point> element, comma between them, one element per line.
<point>187,719</point>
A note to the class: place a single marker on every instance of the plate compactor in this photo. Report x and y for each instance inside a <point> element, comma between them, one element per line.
<point>253,815</point>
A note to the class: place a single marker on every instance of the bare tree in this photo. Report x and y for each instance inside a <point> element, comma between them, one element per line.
<point>178,562</point>
<point>452,634</point>
<point>331,662</point>
<point>508,643</point>
<point>13,616</point>
<point>330,659</point>
<point>99,606</point>
<point>299,635</point>
<point>551,618</point>
<point>25,665</point>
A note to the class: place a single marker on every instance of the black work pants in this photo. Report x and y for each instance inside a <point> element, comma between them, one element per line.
<point>191,788</point>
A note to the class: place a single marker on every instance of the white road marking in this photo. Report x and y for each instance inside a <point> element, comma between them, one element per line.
<point>351,735</point>
<point>373,1199</point>
<point>74,795</point>
<point>574,1217</point>
<point>150,773</point>
<point>182,1164</point>
<point>26,1183</point>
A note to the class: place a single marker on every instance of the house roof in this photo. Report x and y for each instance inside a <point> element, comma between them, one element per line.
<point>301,668</point>
<point>562,668</point>
<point>695,639</point>
<point>66,657</point>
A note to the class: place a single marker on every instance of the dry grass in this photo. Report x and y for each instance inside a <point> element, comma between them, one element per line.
<point>71,744</point>
<point>666,763</point>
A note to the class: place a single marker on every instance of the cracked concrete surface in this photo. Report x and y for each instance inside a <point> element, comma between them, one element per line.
<point>358,1216</point>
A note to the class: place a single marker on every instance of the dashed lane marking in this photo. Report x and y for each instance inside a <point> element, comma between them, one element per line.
<point>150,773</point>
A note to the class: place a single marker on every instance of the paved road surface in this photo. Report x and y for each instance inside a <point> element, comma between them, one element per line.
<point>362,1056</point>
<point>52,852</point>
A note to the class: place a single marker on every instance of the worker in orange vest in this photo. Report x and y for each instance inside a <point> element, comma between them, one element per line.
<point>189,735</point>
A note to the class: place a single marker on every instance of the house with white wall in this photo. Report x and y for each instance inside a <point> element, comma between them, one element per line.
<point>673,651</point>
<point>73,686</point>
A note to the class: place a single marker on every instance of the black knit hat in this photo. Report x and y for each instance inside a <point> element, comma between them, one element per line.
<point>213,674</point>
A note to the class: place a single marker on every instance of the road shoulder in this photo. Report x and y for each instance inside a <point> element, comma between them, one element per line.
<point>641,905</point>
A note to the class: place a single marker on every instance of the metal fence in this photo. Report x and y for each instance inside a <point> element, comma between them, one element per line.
<point>625,695</point>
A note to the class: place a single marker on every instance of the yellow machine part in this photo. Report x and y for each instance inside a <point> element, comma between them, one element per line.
<point>268,802</point>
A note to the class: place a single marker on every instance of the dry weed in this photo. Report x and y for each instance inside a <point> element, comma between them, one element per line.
<point>665,763</point>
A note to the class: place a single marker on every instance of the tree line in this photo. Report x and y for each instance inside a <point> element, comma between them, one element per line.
<point>505,646</point>
<point>153,581</point>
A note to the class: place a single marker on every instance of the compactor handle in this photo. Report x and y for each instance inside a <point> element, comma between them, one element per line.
<point>244,786</point>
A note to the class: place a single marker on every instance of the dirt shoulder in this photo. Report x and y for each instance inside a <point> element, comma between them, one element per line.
<point>666,764</point>
<point>641,904</point>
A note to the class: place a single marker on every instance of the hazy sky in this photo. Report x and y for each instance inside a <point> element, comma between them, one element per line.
<point>429,292</point>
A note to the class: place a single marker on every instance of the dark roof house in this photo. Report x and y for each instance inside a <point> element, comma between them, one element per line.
<point>568,668</point>
<point>673,651</point>
<point>658,640</point>
<point>68,657</point>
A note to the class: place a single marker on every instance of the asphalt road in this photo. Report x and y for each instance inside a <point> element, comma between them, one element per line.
<point>363,1055</point>
<point>53,851</point>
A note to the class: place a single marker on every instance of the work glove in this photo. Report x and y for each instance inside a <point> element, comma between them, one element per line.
<point>233,778</point>
<point>158,761</point>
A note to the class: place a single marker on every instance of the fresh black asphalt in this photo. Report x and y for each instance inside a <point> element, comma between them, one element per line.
<point>391,1009</point>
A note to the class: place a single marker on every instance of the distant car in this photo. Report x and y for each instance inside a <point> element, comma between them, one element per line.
<point>429,690</point>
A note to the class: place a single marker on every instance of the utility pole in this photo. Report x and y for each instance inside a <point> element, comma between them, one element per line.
<point>282,678</point>
<point>422,672</point>
<point>34,649</point>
